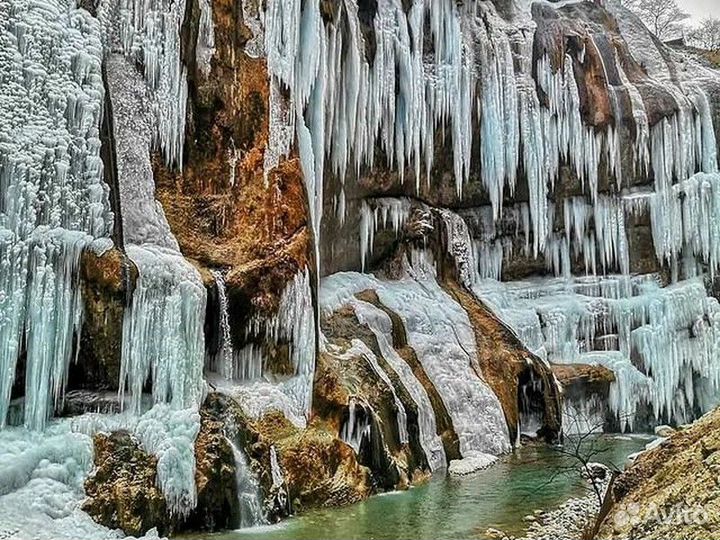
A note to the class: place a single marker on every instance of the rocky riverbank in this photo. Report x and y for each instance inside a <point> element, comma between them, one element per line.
<point>571,519</point>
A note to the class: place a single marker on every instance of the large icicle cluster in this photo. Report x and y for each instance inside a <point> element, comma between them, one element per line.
<point>53,202</point>
<point>674,332</point>
<point>163,330</point>
<point>148,32</point>
<point>163,335</point>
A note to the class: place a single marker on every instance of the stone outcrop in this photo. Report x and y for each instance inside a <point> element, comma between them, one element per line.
<point>319,469</point>
<point>107,283</point>
<point>223,209</point>
<point>671,491</point>
<point>342,377</point>
<point>122,492</point>
<point>582,380</point>
<point>506,365</point>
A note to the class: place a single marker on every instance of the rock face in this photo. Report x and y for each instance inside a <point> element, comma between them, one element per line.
<point>107,281</point>
<point>671,491</point>
<point>443,146</point>
<point>508,367</point>
<point>319,469</point>
<point>123,493</point>
<point>225,210</point>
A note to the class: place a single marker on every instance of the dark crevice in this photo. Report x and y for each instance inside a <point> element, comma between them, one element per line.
<point>108,154</point>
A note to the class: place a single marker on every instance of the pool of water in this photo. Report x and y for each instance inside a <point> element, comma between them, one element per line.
<point>450,508</point>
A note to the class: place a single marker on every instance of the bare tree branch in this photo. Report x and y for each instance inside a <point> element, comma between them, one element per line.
<point>664,18</point>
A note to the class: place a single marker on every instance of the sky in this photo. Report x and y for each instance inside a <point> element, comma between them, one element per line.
<point>700,9</point>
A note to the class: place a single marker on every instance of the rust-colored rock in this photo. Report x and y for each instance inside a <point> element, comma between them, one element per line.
<point>583,375</point>
<point>320,470</point>
<point>504,363</point>
<point>223,209</point>
<point>122,492</point>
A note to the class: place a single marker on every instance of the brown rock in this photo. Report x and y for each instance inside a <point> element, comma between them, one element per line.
<point>678,479</point>
<point>122,492</point>
<point>105,282</point>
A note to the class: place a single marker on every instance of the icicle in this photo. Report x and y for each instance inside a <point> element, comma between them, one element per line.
<point>150,30</point>
<point>380,213</point>
<point>163,330</point>
<point>275,470</point>
<point>357,427</point>
<point>53,202</point>
<point>359,348</point>
<point>294,324</point>
<point>674,331</point>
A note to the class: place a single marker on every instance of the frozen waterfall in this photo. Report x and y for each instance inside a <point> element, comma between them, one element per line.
<point>53,202</point>
<point>441,334</point>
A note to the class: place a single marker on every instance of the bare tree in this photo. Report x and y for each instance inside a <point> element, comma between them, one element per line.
<point>707,35</point>
<point>581,451</point>
<point>664,18</point>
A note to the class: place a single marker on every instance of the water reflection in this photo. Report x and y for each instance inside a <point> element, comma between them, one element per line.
<point>450,508</point>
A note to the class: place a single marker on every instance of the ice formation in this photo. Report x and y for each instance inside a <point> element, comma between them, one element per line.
<point>163,335</point>
<point>166,432</point>
<point>134,119</point>
<point>471,464</point>
<point>611,321</point>
<point>359,348</point>
<point>582,416</point>
<point>383,213</point>
<point>42,473</point>
<point>222,361</point>
<point>381,325</point>
<point>53,202</point>
<point>205,46</point>
<point>247,378</point>
<point>148,32</point>
<point>294,323</point>
<point>275,469</point>
<point>437,328</point>
<point>357,426</point>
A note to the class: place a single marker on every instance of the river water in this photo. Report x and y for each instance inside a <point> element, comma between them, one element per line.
<point>453,508</point>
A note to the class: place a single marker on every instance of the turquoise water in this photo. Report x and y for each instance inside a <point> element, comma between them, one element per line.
<point>451,508</point>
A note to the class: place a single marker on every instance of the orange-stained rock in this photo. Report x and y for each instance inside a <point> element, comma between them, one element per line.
<point>223,210</point>
<point>122,492</point>
<point>583,375</point>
